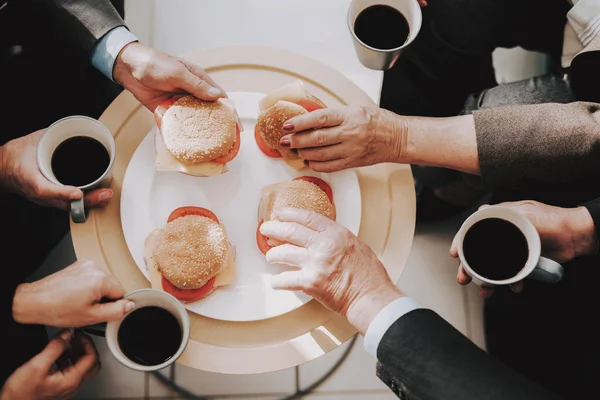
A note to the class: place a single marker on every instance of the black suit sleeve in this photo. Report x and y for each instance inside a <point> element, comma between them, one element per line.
<point>83,22</point>
<point>423,357</point>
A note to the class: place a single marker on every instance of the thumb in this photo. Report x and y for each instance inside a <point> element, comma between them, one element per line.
<point>289,280</point>
<point>199,87</point>
<point>111,311</point>
<point>46,189</point>
<point>55,348</point>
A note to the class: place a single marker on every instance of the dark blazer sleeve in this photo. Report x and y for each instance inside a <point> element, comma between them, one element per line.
<point>83,22</point>
<point>423,357</point>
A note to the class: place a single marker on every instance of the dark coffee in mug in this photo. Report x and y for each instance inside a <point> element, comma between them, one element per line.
<point>382,27</point>
<point>150,336</point>
<point>79,161</point>
<point>495,248</point>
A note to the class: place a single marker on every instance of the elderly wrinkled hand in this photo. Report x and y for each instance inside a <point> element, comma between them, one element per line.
<point>333,139</point>
<point>334,266</point>
<point>20,174</point>
<point>153,77</point>
<point>565,233</point>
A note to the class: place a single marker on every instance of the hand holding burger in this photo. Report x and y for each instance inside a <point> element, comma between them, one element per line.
<point>335,267</point>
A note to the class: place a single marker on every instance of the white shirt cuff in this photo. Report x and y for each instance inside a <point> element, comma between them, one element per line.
<point>384,320</point>
<point>108,48</point>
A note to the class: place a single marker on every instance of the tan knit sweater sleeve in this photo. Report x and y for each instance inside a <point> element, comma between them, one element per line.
<point>546,143</point>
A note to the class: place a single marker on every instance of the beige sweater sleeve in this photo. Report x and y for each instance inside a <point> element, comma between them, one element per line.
<point>546,143</point>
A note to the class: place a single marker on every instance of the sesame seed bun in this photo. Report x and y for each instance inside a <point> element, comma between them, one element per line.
<point>191,250</point>
<point>197,131</point>
<point>270,125</point>
<point>298,194</point>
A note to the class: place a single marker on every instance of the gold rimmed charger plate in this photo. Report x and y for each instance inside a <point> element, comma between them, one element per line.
<point>387,221</point>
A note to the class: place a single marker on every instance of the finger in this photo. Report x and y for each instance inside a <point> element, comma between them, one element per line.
<point>287,254</point>
<point>111,288</point>
<point>111,311</point>
<point>46,189</point>
<point>517,287</point>
<point>322,118</point>
<point>329,166</point>
<point>55,348</point>
<point>201,73</point>
<point>198,86</point>
<point>288,232</point>
<point>326,153</point>
<point>486,293</point>
<point>289,280</point>
<point>98,198</point>
<point>73,376</point>
<point>309,219</point>
<point>463,277</point>
<point>312,139</point>
<point>82,350</point>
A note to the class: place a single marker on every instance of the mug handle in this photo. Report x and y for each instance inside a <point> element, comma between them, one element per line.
<point>96,330</point>
<point>78,211</point>
<point>547,271</point>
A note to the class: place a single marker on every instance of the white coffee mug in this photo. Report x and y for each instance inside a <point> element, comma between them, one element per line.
<point>148,298</point>
<point>536,267</point>
<point>382,59</point>
<point>67,128</point>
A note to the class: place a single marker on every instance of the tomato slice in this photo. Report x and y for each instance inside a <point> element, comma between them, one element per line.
<point>191,210</point>
<point>234,150</point>
<point>324,186</point>
<point>311,105</point>
<point>162,108</point>
<point>273,153</point>
<point>188,295</point>
<point>261,240</point>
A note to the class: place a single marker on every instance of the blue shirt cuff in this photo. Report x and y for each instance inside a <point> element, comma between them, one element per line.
<point>384,320</point>
<point>108,48</point>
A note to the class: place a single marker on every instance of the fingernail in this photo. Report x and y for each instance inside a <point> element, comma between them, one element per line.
<point>288,127</point>
<point>105,196</point>
<point>66,335</point>
<point>285,142</point>
<point>129,306</point>
<point>75,195</point>
<point>306,162</point>
<point>215,92</point>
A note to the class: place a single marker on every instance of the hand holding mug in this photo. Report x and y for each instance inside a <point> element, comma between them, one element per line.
<point>38,380</point>
<point>19,174</point>
<point>565,233</point>
<point>333,139</point>
<point>335,267</point>
<point>71,298</point>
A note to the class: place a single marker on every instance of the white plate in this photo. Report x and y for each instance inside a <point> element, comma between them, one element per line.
<point>148,197</point>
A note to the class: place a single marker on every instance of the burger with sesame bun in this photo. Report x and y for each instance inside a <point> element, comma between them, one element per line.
<point>276,108</point>
<point>191,256</point>
<point>196,137</point>
<point>305,192</point>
